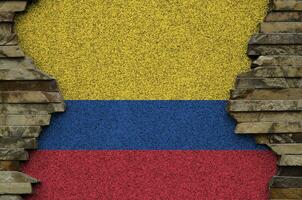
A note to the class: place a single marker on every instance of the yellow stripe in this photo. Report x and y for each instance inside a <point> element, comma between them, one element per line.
<point>135,49</point>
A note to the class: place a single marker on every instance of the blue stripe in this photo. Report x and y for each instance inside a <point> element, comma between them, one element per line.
<point>144,125</point>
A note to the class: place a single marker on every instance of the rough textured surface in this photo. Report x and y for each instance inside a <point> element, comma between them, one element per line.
<point>290,160</point>
<point>269,127</point>
<point>141,50</point>
<point>10,197</point>
<point>144,125</point>
<point>287,5</point>
<point>15,188</point>
<point>27,100</point>
<point>149,175</point>
<point>263,100</point>
<point>143,69</point>
<point>286,193</point>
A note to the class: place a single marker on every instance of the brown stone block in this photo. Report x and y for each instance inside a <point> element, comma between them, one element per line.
<point>274,72</point>
<point>20,131</point>
<point>30,97</point>
<point>16,177</point>
<point>9,166</point>
<point>9,40</point>
<point>278,138</point>
<point>288,5</point>
<point>267,94</point>
<point>25,143</point>
<point>24,120</point>
<point>6,29</point>
<point>268,83</point>
<point>13,154</point>
<point>23,74</point>
<point>286,193</point>
<point>280,60</point>
<point>16,63</point>
<point>46,86</point>
<point>285,138</point>
<point>290,160</point>
<point>268,127</point>
<point>286,182</point>
<point>264,105</point>
<point>281,27</point>
<point>283,149</point>
<point>15,188</point>
<point>293,16</point>
<point>7,35</point>
<point>267,116</point>
<point>276,39</point>
<point>13,6</point>
<point>31,109</point>
<point>290,171</point>
<point>7,16</point>
<point>11,52</point>
<point>257,50</point>
<point>10,197</point>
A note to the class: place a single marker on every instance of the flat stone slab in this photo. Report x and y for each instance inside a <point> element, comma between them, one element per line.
<point>10,197</point>
<point>24,120</point>
<point>287,5</point>
<point>20,131</point>
<point>25,63</point>
<point>281,27</point>
<point>9,166</point>
<point>25,143</point>
<point>12,6</point>
<point>279,60</point>
<point>267,116</point>
<point>268,127</point>
<point>15,188</point>
<point>268,49</point>
<point>23,74</point>
<point>278,138</point>
<point>45,85</point>
<point>267,94</point>
<point>6,29</point>
<point>286,193</point>
<point>290,160</point>
<point>274,72</point>
<point>294,171</point>
<point>264,105</point>
<point>276,39</point>
<point>268,83</point>
<point>11,52</point>
<point>8,40</point>
<point>294,16</point>
<point>286,182</point>
<point>7,16</point>
<point>16,177</point>
<point>31,109</point>
<point>13,154</point>
<point>283,149</point>
<point>30,97</point>
<point>284,138</point>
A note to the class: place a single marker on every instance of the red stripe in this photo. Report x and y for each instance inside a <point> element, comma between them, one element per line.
<point>144,175</point>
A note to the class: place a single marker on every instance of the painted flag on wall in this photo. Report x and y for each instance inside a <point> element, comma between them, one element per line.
<point>146,84</point>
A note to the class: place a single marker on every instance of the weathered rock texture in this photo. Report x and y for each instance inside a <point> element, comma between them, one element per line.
<point>267,101</point>
<point>28,96</point>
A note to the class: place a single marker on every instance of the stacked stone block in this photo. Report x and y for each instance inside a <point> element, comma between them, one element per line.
<point>267,101</point>
<point>28,97</point>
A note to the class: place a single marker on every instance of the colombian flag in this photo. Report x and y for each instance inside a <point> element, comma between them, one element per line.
<point>146,84</point>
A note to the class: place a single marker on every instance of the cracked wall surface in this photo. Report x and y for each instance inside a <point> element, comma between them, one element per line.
<point>267,100</point>
<point>28,97</point>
